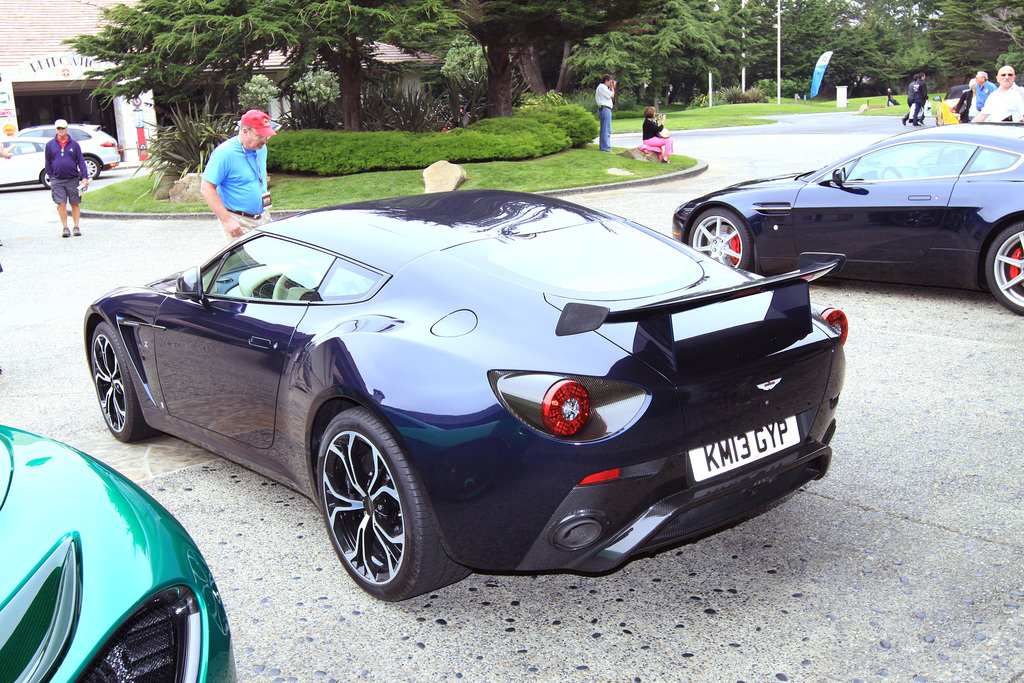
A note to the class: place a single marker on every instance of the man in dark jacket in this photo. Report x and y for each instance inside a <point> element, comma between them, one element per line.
<point>67,170</point>
<point>917,97</point>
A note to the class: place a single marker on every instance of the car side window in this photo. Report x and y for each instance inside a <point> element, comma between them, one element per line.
<point>989,160</point>
<point>914,160</point>
<point>268,268</point>
<point>21,148</point>
<point>348,281</point>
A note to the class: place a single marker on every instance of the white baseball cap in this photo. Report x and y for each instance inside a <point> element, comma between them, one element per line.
<point>60,123</point>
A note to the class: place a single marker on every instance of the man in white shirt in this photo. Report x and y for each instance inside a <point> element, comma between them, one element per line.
<point>604,96</point>
<point>1006,103</point>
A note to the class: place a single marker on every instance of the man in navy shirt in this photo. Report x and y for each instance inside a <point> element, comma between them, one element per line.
<point>67,170</point>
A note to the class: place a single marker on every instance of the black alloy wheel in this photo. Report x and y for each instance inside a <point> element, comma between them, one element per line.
<point>114,389</point>
<point>376,511</point>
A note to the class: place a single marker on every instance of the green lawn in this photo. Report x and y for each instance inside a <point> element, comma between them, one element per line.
<point>572,168</point>
<point>722,116</point>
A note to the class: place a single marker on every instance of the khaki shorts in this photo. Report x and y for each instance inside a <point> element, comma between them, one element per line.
<point>246,223</point>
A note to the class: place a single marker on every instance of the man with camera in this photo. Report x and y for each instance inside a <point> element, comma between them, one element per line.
<point>605,95</point>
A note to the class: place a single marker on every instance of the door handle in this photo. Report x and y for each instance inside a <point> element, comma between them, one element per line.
<point>259,342</point>
<point>920,197</point>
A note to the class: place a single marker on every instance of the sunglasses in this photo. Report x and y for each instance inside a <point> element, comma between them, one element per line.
<point>1010,75</point>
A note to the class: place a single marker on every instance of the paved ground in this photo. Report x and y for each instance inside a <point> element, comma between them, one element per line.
<point>905,564</point>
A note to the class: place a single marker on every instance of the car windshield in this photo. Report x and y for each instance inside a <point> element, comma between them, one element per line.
<point>593,260</point>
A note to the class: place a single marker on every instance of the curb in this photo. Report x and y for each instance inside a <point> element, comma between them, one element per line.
<point>567,192</point>
<point>629,184</point>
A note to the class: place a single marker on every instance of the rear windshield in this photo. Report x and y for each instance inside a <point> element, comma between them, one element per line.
<point>591,261</point>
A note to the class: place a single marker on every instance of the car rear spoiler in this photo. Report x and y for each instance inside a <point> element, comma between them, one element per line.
<point>577,318</point>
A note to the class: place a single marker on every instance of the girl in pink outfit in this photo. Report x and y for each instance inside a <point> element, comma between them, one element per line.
<point>653,135</point>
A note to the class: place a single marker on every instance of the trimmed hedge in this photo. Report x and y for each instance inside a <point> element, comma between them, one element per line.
<point>580,125</point>
<point>530,134</point>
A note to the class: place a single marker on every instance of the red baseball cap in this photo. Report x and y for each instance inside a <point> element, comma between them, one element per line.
<point>259,122</point>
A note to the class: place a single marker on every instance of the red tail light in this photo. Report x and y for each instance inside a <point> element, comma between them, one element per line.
<point>607,475</point>
<point>837,319</point>
<point>108,144</point>
<point>566,407</point>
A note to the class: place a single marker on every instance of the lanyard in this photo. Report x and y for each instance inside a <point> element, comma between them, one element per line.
<point>255,169</point>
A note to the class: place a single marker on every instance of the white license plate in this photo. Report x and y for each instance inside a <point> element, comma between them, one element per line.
<point>736,451</point>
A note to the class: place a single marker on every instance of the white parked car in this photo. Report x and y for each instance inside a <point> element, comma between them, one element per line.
<point>100,150</point>
<point>28,165</point>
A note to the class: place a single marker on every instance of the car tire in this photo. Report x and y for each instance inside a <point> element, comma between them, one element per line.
<point>44,178</point>
<point>115,390</point>
<point>721,234</point>
<point>1004,268</point>
<point>94,166</point>
<point>391,551</point>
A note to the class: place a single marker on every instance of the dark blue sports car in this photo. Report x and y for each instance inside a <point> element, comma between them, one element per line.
<point>937,206</point>
<point>483,380</point>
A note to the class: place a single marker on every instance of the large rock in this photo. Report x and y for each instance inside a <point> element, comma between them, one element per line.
<point>186,190</point>
<point>163,191</point>
<point>635,153</point>
<point>442,176</point>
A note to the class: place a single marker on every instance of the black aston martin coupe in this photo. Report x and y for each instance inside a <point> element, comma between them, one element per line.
<point>935,206</point>
<point>483,380</point>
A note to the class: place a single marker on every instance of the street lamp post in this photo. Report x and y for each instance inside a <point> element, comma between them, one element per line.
<point>778,46</point>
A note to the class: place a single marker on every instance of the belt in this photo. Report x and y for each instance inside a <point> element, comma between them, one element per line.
<point>602,106</point>
<point>254,216</point>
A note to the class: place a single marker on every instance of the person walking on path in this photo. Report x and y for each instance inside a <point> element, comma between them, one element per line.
<point>605,95</point>
<point>1006,103</point>
<point>234,182</point>
<point>917,96</point>
<point>982,89</point>
<point>68,176</point>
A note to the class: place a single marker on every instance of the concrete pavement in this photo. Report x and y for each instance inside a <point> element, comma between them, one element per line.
<point>905,564</point>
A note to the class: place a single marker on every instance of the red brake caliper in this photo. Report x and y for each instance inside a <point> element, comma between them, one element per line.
<point>734,244</point>
<point>1014,271</point>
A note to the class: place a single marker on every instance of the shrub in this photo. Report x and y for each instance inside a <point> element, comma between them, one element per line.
<point>737,95</point>
<point>389,106</point>
<point>313,99</point>
<point>580,125</point>
<point>789,87</point>
<point>185,145</point>
<point>334,153</point>
<point>257,93</point>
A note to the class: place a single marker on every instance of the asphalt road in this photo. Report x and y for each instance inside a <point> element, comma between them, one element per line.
<point>904,564</point>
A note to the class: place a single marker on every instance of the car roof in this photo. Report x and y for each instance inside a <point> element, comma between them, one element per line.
<point>27,138</point>
<point>955,91</point>
<point>1006,135</point>
<point>389,233</point>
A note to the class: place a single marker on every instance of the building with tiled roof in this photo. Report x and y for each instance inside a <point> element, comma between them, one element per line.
<point>41,80</point>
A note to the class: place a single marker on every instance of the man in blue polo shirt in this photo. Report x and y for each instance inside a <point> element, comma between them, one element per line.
<point>67,170</point>
<point>234,182</point>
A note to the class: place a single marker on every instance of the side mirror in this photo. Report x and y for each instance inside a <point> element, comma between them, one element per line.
<point>839,176</point>
<point>937,98</point>
<point>189,285</point>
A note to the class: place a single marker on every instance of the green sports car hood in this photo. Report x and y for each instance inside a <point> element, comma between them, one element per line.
<point>87,557</point>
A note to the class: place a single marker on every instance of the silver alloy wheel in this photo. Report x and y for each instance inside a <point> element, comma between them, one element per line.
<point>716,237</point>
<point>364,510</point>
<point>109,382</point>
<point>1008,268</point>
<point>93,167</point>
